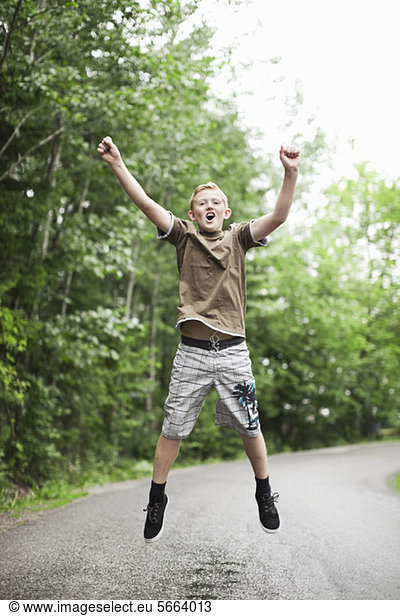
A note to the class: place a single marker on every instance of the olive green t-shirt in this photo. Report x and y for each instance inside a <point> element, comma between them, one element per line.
<point>212,273</point>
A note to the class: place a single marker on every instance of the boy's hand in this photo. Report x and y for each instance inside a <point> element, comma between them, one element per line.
<point>108,151</point>
<point>290,157</point>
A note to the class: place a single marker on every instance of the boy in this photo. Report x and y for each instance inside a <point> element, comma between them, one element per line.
<point>213,351</point>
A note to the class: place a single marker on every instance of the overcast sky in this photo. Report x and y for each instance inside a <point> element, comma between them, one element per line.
<point>344,56</point>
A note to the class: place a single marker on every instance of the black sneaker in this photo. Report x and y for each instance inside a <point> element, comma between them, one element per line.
<point>154,526</point>
<point>269,517</point>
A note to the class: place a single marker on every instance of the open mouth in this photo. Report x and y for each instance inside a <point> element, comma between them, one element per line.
<point>210,216</point>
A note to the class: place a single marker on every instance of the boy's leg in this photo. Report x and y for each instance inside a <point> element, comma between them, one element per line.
<point>257,454</point>
<point>191,380</point>
<point>166,453</point>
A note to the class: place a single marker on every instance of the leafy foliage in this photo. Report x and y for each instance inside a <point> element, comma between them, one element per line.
<point>326,303</point>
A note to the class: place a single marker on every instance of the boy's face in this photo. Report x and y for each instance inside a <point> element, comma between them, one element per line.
<point>209,210</point>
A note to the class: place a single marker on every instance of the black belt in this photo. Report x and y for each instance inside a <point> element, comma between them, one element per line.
<point>213,344</point>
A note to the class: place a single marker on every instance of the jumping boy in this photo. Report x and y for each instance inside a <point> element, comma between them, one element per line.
<point>211,318</point>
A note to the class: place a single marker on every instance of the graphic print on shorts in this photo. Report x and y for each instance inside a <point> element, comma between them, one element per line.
<point>246,394</point>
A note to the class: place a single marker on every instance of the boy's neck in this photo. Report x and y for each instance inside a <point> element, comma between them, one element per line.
<point>210,233</point>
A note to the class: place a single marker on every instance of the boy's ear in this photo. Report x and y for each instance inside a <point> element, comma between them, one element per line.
<point>228,213</point>
<point>191,215</point>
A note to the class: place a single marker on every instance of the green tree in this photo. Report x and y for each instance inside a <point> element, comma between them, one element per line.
<point>323,317</point>
<point>91,296</point>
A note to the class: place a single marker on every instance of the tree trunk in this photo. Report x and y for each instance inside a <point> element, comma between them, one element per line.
<point>82,200</point>
<point>153,319</point>
<point>50,173</point>
<point>52,167</point>
<point>7,42</point>
<point>131,283</point>
<point>153,332</point>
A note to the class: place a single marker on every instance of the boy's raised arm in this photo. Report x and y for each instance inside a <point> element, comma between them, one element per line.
<point>158,215</point>
<point>263,226</point>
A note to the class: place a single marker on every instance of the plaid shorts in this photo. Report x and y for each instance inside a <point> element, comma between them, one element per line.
<point>194,372</point>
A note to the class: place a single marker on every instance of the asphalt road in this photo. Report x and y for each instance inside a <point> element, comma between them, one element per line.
<point>340,536</point>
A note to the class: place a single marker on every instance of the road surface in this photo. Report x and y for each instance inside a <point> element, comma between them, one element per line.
<point>340,536</point>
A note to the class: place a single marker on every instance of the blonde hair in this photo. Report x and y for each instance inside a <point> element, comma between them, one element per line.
<point>210,185</point>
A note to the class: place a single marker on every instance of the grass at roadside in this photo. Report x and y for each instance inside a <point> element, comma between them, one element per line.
<point>17,502</point>
<point>394,483</point>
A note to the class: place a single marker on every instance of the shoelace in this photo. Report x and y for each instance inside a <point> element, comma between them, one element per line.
<point>268,501</point>
<point>153,511</point>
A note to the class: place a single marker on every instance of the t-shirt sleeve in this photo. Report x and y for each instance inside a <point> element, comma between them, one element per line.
<point>246,237</point>
<point>176,231</point>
